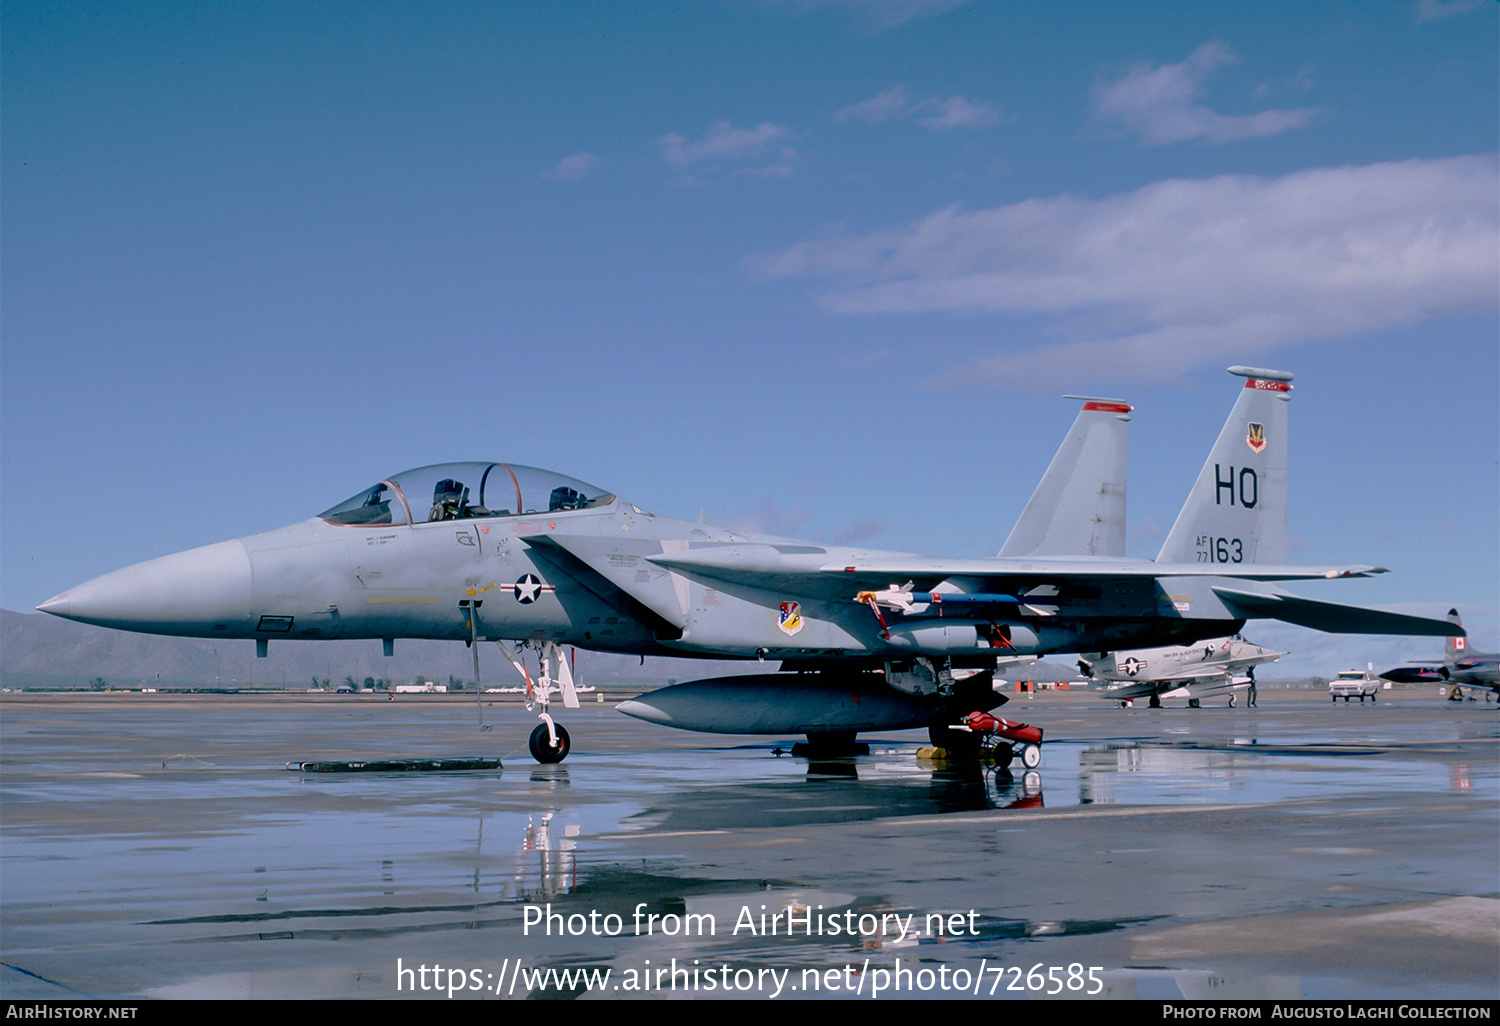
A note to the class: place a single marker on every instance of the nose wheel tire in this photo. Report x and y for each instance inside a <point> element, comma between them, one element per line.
<point>542,749</point>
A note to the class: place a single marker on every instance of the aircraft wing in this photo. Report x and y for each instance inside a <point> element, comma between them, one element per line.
<point>1083,569</point>
<point>767,566</point>
<point>653,582</point>
<point>1145,689</point>
<point>1197,685</point>
<point>1328,616</point>
<point>1188,676</point>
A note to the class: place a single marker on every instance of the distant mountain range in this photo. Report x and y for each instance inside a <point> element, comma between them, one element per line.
<point>37,650</point>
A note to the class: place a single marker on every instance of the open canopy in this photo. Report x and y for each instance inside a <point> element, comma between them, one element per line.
<point>464,491</point>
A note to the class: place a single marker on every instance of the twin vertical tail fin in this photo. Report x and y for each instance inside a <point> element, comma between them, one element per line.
<point>1078,508</point>
<point>1236,511</point>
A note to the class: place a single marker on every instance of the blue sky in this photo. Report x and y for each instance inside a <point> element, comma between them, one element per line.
<point>821,268</point>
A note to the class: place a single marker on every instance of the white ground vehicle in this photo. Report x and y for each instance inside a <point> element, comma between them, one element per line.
<point>1354,684</point>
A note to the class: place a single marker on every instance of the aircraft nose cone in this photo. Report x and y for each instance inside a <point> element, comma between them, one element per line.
<point>57,605</point>
<point>203,592</point>
<point>645,711</point>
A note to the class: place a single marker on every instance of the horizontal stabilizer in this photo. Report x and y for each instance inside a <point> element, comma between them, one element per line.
<point>1328,616</point>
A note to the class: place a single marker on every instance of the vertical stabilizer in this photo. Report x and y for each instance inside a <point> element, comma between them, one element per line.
<point>1453,647</point>
<point>1078,508</point>
<point>1236,512</point>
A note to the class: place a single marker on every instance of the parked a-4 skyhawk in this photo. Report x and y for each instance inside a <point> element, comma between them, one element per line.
<point>1194,672</point>
<point>866,640</point>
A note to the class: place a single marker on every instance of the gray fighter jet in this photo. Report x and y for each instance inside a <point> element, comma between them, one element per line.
<point>866,640</point>
<point>1460,667</point>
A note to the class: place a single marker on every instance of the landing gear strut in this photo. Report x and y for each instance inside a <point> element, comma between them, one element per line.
<point>549,741</point>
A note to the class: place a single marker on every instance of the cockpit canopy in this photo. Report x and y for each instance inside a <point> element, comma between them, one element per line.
<point>464,491</point>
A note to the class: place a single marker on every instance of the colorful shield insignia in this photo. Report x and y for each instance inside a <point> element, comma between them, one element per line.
<point>1255,438</point>
<point>791,617</point>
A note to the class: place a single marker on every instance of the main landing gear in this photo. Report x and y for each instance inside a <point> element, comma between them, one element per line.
<point>549,742</point>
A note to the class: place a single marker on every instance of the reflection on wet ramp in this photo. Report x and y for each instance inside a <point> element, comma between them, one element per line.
<point>819,798</point>
<point>1100,769</point>
<point>224,874</point>
<point>555,860</point>
<point>1248,769</point>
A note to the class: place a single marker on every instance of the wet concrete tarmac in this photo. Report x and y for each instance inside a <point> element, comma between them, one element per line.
<point>155,845</point>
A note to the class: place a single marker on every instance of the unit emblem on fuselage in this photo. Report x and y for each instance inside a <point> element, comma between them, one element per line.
<point>791,617</point>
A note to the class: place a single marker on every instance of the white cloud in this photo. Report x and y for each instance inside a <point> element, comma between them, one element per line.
<point>576,168</point>
<point>880,15</point>
<point>939,115</point>
<point>957,112</point>
<point>1433,10</point>
<point>893,103</point>
<point>1159,103</point>
<point>1181,273</point>
<point>758,150</point>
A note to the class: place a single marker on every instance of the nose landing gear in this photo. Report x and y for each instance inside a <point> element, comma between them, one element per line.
<point>549,742</point>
